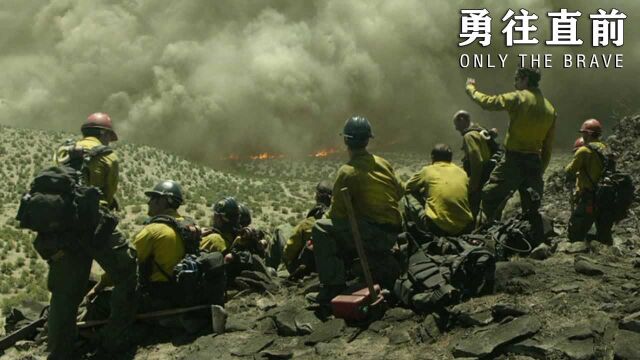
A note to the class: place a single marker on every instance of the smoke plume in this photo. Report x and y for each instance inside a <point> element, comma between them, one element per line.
<point>211,78</point>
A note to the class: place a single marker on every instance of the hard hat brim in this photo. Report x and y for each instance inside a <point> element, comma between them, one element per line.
<point>153,193</point>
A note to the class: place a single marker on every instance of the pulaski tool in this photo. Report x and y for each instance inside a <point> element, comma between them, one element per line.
<point>365,302</point>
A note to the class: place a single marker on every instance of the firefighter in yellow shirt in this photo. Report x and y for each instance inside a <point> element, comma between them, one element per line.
<point>225,226</point>
<point>587,167</point>
<point>70,267</point>
<point>441,190</point>
<point>478,147</point>
<point>375,192</point>
<point>159,248</point>
<point>527,142</point>
<point>298,255</point>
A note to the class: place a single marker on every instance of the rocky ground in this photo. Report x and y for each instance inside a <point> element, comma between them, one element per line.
<point>571,301</point>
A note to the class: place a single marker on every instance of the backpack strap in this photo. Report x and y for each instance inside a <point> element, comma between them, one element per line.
<point>185,229</point>
<point>602,159</point>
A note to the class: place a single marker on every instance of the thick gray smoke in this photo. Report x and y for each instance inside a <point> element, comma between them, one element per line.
<point>213,78</point>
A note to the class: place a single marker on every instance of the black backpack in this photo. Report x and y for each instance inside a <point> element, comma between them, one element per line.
<point>200,277</point>
<point>614,189</point>
<point>59,199</point>
<point>444,272</point>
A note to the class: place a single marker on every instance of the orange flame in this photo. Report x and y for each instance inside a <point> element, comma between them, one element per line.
<point>325,152</point>
<point>265,156</point>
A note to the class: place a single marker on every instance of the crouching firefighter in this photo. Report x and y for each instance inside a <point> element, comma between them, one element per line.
<point>70,206</point>
<point>437,199</point>
<point>375,191</point>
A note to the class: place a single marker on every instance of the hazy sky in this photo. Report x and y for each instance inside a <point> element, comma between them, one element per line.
<point>209,78</point>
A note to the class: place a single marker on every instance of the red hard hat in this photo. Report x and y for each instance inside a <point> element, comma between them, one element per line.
<point>578,144</point>
<point>100,121</point>
<point>591,126</point>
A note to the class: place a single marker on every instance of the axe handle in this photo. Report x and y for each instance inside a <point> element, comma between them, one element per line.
<point>355,231</point>
<point>149,315</point>
<point>20,334</point>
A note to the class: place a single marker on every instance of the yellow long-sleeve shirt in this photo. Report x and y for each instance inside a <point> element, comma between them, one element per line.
<point>532,119</point>
<point>476,155</point>
<point>103,170</point>
<point>161,245</point>
<point>587,165</point>
<point>216,242</point>
<point>445,187</point>
<point>298,239</point>
<point>374,188</point>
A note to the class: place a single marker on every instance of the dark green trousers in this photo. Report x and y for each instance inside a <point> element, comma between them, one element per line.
<point>68,282</point>
<point>584,215</point>
<point>516,171</point>
<point>333,245</point>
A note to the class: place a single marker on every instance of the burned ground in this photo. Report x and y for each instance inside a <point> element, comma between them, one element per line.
<point>579,303</point>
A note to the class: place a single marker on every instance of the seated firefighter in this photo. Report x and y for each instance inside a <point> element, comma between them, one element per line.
<point>242,248</point>
<point>224,226</point>
<point>437,200</point>
<point>588,165</point>
<point>165,246</point>
<point>298,250</point>
<point>250,238</point>
<point>375,192</point>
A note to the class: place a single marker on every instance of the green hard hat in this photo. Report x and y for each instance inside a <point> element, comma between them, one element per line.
<point>324,187</point>
<point>167,188</point>
<point>245,215</point>
<point>227,207</point>
<point>357,128</point>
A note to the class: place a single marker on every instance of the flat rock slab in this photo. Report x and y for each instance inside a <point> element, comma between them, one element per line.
<point>531,348</point>
<point>588,268</point>
<point>286,322</point>
<point>541,252</point>
<point>265,304</point>
<point>570,288</point>
<point>234,325</point>
<point>306,321</point>
<point>577,349</point>
<point>253,345</point>
<point>631,323</point>
<point>397,337</point>
<point>501,311</point>
<point>627,345</point>
<point>267,326</point>
<point>487,342</point>
<point>276,354</point>
<point>378,326</point>
<point>481,318</point>
<point>326,332</point>
<point>398,314</point>
<point>632,307</point>
<point>573,248</point>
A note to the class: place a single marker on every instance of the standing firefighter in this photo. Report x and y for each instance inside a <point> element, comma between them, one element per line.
<point>588,165</point>
<point>479,147</point>
<point>527,143</point>
<point>441,191</point>
<point>70,266</point>
<point>375,192</point>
